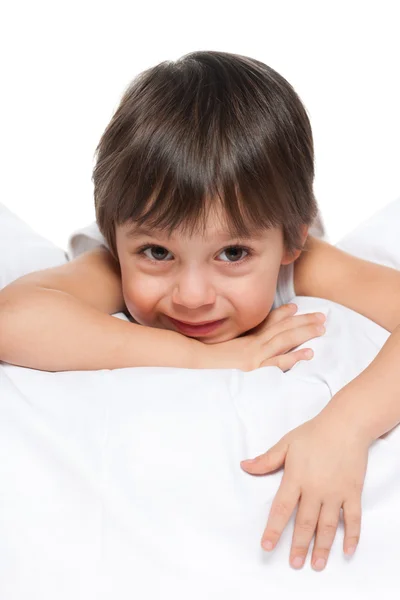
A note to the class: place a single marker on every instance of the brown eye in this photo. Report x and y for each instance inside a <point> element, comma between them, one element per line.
<point>158,253</point>
<point>234,253</point>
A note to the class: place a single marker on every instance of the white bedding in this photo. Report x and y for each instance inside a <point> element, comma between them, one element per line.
<point>127,483</point>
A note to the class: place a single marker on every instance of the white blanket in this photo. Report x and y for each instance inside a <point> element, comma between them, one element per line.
<point>127,483</point>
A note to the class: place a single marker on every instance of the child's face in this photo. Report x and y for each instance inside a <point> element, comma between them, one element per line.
<point>196,279</point>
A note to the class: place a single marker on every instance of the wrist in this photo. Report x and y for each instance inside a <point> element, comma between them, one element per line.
<point>203,356</point>
<point>236,353</point>
<point>188,352</point>
<point>346,410</point>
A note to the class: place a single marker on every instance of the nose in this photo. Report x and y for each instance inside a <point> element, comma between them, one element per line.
<point>193,291</point>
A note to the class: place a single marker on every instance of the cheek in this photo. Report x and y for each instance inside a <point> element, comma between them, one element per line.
<point>255,300</point>
<point>256,292</point>
<point>141,294</point>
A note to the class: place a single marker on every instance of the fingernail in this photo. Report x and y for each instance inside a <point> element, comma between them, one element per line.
<point>320,563</point>
<point>267,545</point>
<point>248,460</point>
<point>297,562</point>
<point>351,550</point>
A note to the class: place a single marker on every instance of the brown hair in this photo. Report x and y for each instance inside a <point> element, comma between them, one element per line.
<point>211,126</point>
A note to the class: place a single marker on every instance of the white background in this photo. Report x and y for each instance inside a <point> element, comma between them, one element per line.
<point>65,66</point>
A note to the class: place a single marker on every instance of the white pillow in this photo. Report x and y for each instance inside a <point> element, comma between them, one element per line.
<point>377,238</point>
<point>22,250</point>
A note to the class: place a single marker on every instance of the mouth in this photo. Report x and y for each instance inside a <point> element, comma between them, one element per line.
<point>196,329</point>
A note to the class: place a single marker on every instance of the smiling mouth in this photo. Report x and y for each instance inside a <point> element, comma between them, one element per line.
<point>195,324</point>
<point>201,328</point>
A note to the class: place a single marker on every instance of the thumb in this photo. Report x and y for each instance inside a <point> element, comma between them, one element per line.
<point>269,461</point>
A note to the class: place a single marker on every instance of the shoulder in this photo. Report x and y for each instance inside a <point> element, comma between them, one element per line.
<point>94,277</point>
<point>321,267</point>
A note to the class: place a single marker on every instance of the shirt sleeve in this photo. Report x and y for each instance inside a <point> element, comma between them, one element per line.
<point>85,239</point>
<point>285,286</point>
<point>285,291</point>
<point>317,229</point>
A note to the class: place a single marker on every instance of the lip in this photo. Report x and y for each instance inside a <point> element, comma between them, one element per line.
<point>194,324</point>
<point>201,328</point>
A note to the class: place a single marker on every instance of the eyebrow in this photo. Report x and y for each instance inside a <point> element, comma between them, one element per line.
<point>143,231</point>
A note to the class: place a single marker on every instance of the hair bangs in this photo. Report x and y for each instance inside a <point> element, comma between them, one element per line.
<point>184,202</point>
<point>211,131</point>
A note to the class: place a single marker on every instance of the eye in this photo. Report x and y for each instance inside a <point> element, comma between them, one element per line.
<point>234,252</point>
<point>157,253</point>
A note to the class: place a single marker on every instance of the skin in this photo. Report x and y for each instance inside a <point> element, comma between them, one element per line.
<point>201,278</point>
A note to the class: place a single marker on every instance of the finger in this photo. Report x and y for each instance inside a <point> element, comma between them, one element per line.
<point>352,523</point>
<point>269,461</point>
<point>304,528</point>
<point>291,322</point>
<point>276,316</point>
<point>289,339</point>
<point>282,507</point>
<point>286,361</point>
<point>326,531</point>
<point>283,312</point>
<point>290,333</point>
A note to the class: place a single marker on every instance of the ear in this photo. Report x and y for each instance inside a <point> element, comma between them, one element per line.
<point>288,257</point>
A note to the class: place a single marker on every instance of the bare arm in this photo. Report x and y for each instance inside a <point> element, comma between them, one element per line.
<point>368,288</point>
<point>60,319</point>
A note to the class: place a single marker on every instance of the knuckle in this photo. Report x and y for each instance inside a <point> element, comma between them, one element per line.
<point>353,519</point>
<point>273,533</point>
<point>299,551</point>
<point>358,487</point>
<point>307,525</point>
<point>322,549</point>
<point>328,529</point>
<point>353,540</point>
<point>281,509</point>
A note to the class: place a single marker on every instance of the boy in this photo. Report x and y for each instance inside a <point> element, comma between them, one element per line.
<point>207,156</point>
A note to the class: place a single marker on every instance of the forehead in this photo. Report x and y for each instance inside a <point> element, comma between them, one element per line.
<point>215,227</point>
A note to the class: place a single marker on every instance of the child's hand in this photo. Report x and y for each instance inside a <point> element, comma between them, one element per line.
<point>325,464</point>
<point>270,343</point>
